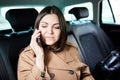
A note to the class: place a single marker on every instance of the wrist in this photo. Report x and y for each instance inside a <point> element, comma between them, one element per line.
<point>40,64</point>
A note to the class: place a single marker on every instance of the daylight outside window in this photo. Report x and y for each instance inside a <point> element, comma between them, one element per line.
<point>107,10</point>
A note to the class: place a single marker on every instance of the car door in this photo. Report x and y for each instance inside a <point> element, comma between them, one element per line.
<point>109,19</point>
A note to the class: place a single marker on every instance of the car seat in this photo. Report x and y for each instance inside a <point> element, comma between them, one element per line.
<point>22,22</point>
<point>93,42</point>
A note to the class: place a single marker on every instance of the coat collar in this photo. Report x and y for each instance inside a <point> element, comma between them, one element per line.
<point>54,61</point>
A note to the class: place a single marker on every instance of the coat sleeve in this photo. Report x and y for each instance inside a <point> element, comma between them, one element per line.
<point>85,73</point>
<point>27,69</point>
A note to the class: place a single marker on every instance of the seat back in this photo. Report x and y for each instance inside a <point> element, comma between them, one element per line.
<point>72,38</point>
<point>6,72</point>
<point>22,22</point>
<point>90,41</point>
<point>93,42</point>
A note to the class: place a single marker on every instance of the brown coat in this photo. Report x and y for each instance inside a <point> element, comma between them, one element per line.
<point>65,65</point>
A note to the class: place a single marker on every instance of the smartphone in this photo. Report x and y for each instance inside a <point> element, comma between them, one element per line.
<point>38,40</point>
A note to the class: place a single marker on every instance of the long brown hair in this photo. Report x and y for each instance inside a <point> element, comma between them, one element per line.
<point>63,36</point>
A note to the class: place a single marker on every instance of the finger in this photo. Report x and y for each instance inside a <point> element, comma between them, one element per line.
<point>36,31</point>
<point>34,36</point>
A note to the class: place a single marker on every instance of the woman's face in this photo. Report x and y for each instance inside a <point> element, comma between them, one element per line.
<point>50,29</point>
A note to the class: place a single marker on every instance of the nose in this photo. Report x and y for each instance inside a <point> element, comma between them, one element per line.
<point>50,30</point>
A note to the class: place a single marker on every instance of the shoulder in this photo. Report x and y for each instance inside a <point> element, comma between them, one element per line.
<point>69,44</point>
<point>73,51</point>
<point>71,47</point>
<point>27,51</point>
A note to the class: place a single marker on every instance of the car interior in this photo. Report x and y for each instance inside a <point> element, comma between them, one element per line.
<point>94,39</point>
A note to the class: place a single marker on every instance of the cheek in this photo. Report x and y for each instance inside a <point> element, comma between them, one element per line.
<point>57,34</point>
<point>42,30</point>
<point>42,34</point>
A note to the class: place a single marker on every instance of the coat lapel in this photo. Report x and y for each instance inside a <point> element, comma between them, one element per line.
<point>54,61</point>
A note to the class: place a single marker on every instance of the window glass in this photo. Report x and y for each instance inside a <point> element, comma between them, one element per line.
<point>4,24</point>
<point>116,11</point>
<point>70,17</point>
<point>107,11</point>
<point>107,16</point>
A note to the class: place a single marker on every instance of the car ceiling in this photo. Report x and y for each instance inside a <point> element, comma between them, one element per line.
<point>60,3</point>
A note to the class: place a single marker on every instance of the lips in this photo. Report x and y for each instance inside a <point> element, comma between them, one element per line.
<point>50,38</point>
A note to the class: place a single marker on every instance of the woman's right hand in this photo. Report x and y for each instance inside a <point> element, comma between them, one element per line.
<point>38,49</point>
<point>35,45</point>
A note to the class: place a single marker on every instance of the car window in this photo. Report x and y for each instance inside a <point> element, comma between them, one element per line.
<point>110,11</point>
<point>4,24</point>
<point>70,17</point>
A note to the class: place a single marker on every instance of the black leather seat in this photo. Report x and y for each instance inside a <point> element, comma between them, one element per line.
<point>22,22</point>
<point>93,42</point>
<point>21,19</point>
<point>6,72</point>
<point>72,38</point>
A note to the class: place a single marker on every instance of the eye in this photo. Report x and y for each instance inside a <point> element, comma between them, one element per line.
<point>57,27</point>
<point>44,26</point>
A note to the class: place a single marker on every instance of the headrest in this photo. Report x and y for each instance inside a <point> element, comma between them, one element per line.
<point>21,19</point>
<point>69,28</point>
<point>79,12</point>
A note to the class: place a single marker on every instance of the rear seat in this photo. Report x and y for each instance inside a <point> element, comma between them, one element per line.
<point>92,41</point>
<point>71,38</point>
<point>93,44</point>
<point>22,22</point>
<point>6,72</point>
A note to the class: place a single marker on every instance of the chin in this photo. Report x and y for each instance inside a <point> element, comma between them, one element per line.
<point>50,43</point>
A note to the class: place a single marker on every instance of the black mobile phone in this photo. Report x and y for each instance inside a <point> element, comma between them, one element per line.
<point>38,40</point>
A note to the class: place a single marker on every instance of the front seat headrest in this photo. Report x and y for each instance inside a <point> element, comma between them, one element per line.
<point>79,12</point>
<point>21,19</point>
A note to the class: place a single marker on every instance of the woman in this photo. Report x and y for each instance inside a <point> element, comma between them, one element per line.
<point>49,56</point>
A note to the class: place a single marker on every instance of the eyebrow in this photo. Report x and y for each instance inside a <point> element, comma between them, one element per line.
<point>53,24</point>
<point>44,22</point>
<point>56,24</point>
